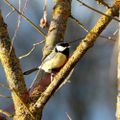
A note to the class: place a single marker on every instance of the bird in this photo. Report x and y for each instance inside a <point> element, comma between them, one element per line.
<point>54,61</point>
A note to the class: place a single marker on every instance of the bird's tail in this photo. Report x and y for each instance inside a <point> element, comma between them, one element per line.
<point>30,71</point>
<point>40,76</point>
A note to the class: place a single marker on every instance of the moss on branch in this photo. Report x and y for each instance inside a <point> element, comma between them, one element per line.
<point>11,67</point>
<point>61,12</point>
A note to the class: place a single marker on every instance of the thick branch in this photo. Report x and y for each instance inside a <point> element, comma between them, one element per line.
<point>57,28</point>
<point>11,66</point>
<point>85,44</point>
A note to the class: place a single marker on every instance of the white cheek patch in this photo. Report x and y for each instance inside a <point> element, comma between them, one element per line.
<point>60,48</point>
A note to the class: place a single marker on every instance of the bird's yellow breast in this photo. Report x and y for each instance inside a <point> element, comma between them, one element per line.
<point>56,62</point>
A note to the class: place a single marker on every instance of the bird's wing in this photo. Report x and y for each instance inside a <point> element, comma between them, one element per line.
<point>49,57</point>
<point>41,74</point>
<point>30,71</point>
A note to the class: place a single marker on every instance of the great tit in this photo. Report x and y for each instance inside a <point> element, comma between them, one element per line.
<point>55,60</point>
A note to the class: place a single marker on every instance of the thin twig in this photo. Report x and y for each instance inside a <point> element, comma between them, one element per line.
<point>44,9</point>
<point>67,79</point>
<point>101,36</point>
<point>6,113</point>
<point>11,12</point>
<point>68,116</point>
<point>4,86</point>
<point>18,23</point>
<point>73,41</point>
<point>97,11</point>
<point>116,31</point>
<point>33,48</point>
<point>43,20</point>
<point>113,35</point>
<point>107,37</point>
<point>3,96</point>
<point>17,26</point>
<point>86,30</point>
<point>25,18</point>
<point>78,22</point>
<point>102,2</point>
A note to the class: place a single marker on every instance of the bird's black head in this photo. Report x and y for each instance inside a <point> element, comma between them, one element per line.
<point>63,48</point>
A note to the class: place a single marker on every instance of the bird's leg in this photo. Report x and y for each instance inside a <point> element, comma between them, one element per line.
<point>52,76</point>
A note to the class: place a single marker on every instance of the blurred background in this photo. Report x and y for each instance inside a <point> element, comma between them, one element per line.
<point>91,95</point>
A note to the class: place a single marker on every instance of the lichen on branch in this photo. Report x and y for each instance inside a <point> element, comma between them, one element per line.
<point>61,12</point>
<point>11,66</point>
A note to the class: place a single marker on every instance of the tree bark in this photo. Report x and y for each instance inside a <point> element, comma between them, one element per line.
<point>12,69</point>
<point>61,12</point>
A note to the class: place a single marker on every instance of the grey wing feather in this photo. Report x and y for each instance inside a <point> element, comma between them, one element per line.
<point>50,56</point>
<point>40,74</point>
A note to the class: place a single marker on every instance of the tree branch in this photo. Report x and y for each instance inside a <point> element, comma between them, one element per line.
<point>11,67</point>
<point>102,2</point>
<point>84,45</point>
<point>32,49</point>
<point>4,96</point>
<point>97,11</point>
<point>6,113</point>
<point>57,28</point>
